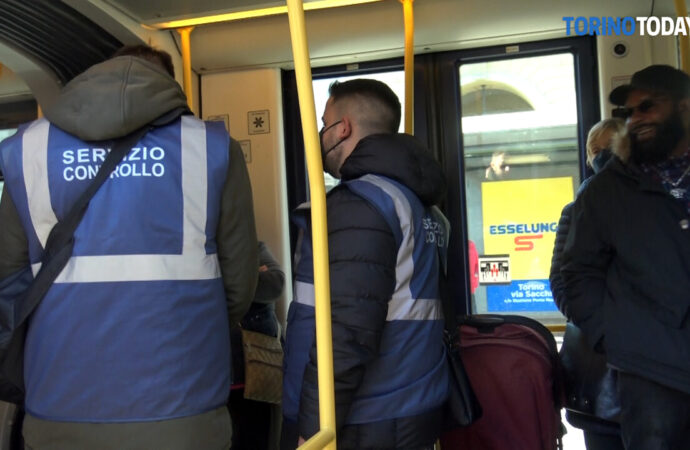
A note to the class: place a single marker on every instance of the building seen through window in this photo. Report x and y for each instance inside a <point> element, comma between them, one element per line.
<point>520,149</point>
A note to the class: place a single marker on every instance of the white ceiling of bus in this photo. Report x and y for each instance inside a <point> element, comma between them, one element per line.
<point>163,10</point>
<point>358,33</point>
<point>374,30</point>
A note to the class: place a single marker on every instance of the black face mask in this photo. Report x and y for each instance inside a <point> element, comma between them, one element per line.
<point>599,161</point>
<point>326,152</point>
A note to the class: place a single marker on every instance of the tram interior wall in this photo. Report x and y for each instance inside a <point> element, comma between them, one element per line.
<point>244,97</point>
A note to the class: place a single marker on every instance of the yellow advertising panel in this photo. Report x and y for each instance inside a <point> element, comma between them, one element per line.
<point>520,219</point>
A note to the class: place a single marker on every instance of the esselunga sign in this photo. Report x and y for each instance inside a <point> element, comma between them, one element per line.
<point>520,221</point>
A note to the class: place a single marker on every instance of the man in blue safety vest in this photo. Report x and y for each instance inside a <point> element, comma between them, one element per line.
<point>130,346</point>
<point>386,241</point>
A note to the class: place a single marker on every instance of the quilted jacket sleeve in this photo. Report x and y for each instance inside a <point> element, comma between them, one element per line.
<point>555,277</point>
<point>362,258</point>
<point>586,258</point>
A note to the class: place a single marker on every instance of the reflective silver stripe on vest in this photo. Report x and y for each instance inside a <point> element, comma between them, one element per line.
<point>34,162</point>
<point>304,293</point>
<point>100,269</point>
<point>402,305</point>
<point>422,309</point>
<point>192,264</point>
<point>194,185</point>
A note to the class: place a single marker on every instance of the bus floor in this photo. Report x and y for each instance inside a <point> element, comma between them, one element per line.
<point>573,439</point>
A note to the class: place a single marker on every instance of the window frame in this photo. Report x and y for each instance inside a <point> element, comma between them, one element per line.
<point>450,135</point>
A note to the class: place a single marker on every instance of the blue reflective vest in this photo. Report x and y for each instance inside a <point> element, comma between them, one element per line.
<point>410,376</point>
<point>135,326</point>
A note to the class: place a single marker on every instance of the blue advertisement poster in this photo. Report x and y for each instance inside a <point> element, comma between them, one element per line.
<point>520,295</point>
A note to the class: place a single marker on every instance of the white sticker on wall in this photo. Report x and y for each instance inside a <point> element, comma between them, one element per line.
<point>258,122</point>
<point>247,150</point>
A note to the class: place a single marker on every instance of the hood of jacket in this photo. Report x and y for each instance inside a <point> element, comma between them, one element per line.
<point>114,98</point>
<point>402,158</point>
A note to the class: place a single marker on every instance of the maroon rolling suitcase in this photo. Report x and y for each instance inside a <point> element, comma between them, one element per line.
<point>513,365</point>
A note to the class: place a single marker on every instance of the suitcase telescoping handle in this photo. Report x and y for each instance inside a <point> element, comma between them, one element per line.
<point>487,323</point>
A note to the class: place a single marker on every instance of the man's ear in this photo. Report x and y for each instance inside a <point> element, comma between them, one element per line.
<point>346,129</point>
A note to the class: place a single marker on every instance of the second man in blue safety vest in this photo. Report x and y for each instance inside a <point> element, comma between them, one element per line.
<point>386,241</point>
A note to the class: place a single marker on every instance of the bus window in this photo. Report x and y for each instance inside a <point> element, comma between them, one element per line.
<point>395,80</point>
<point>520,140</point>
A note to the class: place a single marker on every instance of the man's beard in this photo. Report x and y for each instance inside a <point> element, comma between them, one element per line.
<point>667,136</point>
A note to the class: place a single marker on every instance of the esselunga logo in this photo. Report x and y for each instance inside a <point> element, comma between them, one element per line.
<point>526,233</point>
<point>524,228</point>
<point>627,26</point>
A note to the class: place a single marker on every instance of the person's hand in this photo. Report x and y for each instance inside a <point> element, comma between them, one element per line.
<point>300,441</point>
<point>263,268</point>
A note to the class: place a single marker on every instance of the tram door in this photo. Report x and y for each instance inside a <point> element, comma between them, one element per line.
<point>522,115</point>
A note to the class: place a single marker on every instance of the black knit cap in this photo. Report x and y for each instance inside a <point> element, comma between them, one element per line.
<point>656,78</point>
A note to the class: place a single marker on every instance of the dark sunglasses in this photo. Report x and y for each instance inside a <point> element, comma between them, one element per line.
<point>643,107</point>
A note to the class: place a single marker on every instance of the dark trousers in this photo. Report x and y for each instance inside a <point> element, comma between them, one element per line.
<point>653,417</point>
<point>599,441</point>
<point>289,435</point>
<point>256,425</point>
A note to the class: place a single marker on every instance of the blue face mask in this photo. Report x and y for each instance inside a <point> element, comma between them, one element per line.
<point>601,159</point>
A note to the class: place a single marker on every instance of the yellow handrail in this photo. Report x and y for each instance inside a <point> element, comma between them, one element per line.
<point>409,65</point>
<point>682,11</point>
<point>317,192</point>
<point>187,64</point>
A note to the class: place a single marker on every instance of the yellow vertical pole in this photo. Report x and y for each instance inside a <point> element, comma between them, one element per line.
<point>408,15</point>
<point>317,193</point>
<point>187,64</point>
<point>684,40</point>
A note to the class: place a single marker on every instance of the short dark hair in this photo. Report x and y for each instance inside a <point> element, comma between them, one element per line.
<point>387,120</point>
<point>148,53</point>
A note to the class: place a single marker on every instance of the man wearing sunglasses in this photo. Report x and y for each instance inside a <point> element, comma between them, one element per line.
<point>626,263</point>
